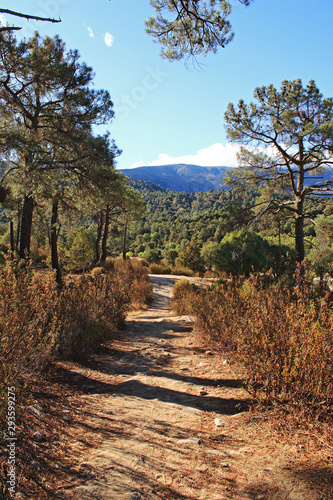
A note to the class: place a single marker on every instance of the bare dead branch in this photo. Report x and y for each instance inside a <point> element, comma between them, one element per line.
<point>24,16</point>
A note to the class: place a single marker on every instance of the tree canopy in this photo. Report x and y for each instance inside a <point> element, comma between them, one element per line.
<point>48,107</point>
<point>296,124</point>
<point>186,28</point>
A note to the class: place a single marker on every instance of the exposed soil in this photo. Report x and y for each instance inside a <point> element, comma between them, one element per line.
<point>157,414</point>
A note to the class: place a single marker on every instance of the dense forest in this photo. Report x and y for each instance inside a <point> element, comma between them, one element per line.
<point>179,228</point>
<point>175,220</point>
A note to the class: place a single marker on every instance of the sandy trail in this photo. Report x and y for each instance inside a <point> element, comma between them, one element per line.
<point>168,419</point>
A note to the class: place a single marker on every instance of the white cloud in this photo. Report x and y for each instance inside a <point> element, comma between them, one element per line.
<point>90,31</point>
<point>216,155</point>
<point>108,39</point>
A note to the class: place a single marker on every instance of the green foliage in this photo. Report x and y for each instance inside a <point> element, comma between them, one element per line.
<point>48,147</point>
<point>297,123</point>
<point>178,216</point>
<point>189,256</point>
<point>240,253</point>
<point>81,250</point>
<point>321,254</point>
<point>190,28</point>
<point>151,255</point>
<point>170,253</point>
<point>209,252</point>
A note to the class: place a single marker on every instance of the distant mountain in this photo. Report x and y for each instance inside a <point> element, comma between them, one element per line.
<point>181,177</point>
<point>194,179</point>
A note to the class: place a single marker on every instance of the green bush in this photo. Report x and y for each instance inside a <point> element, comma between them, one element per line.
<point>82,247</point>
<point>189,256</point>
<point>240,253</point>
<point>151,255</point>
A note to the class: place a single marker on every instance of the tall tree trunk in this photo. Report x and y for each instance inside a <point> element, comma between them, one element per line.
<point>12,238</point>
<point>106,234</point>
<point>26,225</point>
<point>124,241</point>
<point>99,236</point>
<point>54,242</point>
<point>299,217</point>
<point>18,231</point>
<point>299,240</point>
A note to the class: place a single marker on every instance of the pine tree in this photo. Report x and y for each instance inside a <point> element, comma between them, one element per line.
<point>296,123</point>
<point>47,97</point>
<point>186,28</point>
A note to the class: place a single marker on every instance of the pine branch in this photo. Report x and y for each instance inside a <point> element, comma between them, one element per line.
<point>24,16</point>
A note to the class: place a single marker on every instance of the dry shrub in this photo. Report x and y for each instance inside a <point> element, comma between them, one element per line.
<point>108,265</point>
<point>134,274</point>
<point>95,306</point>
<point>38,321</point>
<point>214,311</point>
<point>155,268</point>
<point>182,271</point>
<point>97,271</point>
<point>27,322</point>
<point>283,337</point>
<point>184,297</point>
<point>90,308</point>
<point>287,345</point>
<point>28,325</point>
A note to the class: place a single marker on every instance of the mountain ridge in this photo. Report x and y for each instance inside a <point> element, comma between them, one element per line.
<point>181,176</point>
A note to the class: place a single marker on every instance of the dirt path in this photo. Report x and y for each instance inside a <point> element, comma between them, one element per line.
<point>169,420</point>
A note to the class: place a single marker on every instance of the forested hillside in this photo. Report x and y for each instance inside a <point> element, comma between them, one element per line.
<point>177,226</point>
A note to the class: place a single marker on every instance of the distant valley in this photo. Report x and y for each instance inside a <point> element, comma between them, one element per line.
<point>181,177</point>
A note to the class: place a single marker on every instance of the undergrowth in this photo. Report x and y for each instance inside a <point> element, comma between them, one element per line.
<point>282,335</point>
<point>39,323</point>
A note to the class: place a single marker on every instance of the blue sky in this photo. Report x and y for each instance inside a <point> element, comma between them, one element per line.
<point>169,112</point>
